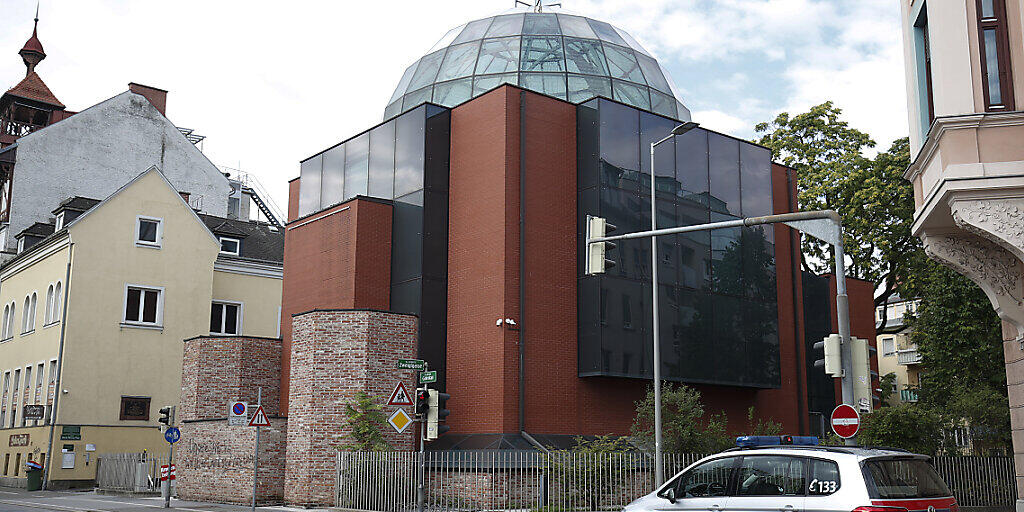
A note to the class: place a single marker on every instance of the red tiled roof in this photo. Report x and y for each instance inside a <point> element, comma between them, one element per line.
<point>33,88</point>
<point>33,44</point>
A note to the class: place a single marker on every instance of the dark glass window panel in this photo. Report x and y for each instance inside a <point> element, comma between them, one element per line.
<point>405,297</point>
<point>729,351</point>
<point>694,249</point>
<point>426,71</point>
<point>988,9</point>
<point>552,84</point>
<point>606,32</point>
<point>995,91</point>
<point>458,62</point>
<point>622,64</point>
<point>756,179</point>
<point>407,241</point>
<point>409,145</point>
<point>663,104</point>
<point>724,169</point>
<point>453,93</point>
<point>332,185</point>
<point>309,185</point>
<point>357,158</point>
<point>592,318</point>
<point>148,230</point>
<point>626,210</point>
<point>231,319</point>
<point>149,306</point>
<point>726,257</point>
<point>631,94</point>
<point>692,166</point>
<point>652,129</point>
<point>624,347</point>
<point>216,317</point>
<point>758,264</point>
<point>228,245</point>
<point>403,83</point>
<point>588,165</point>
<point>131,313</point>
<point>620,146</point>
<point>506,25</point>
<point>498,56</point>
<point>542,53</point>
<point>585,56</point>
<point>582,88</point>
<point>652,73</point>
<point>382,161</point>
<point>416,97</point>
<point>689,343</point>
<point>575,26</point>
<point>540,23</point>
<point>483,84</point>
<point>473,31</point>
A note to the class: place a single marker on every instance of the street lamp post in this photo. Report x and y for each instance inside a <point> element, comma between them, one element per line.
<point>659,475</point>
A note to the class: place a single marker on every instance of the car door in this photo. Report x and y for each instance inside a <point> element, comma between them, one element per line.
<point>769,483</point>
<point>704,488</point>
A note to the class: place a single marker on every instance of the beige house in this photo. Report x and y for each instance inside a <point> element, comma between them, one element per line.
<point>897,354</point>
<point>964,64</point>
<point>94,316</point>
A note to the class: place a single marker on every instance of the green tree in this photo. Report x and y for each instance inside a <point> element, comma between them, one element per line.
<point>886,386</point>
<point>686,428</point>
<point>365,419</point>
<point>908,426</point>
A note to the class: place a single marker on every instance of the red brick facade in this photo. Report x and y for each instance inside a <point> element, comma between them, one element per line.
<point>337,353</point>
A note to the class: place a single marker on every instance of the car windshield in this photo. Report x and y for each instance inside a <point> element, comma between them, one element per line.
<point>904,478</point>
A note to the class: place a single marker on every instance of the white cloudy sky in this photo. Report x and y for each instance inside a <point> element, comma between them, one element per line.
<point>270,83</point>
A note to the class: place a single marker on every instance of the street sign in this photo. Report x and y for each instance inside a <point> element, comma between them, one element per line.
<point>259,418</point>
<point>172,435</point>
<point>845,421</point>
<point>400,396</point>
<point>400,420</point>
<point>238,414</point>
<point>34,412</point>
<point>412,364</point>
<point>167,472</point>
<point>428,377</point>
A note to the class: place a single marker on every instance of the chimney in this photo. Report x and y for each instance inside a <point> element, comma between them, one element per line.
<point>158,97</point>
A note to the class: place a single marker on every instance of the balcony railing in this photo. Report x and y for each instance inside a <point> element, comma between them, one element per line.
<point>908,395</point>
<point>17,129</point>
<point>908,356</point>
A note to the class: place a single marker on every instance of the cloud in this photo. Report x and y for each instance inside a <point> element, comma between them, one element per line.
<point>721,121</point>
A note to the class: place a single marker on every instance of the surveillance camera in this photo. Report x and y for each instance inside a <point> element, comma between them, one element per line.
<point>498,323</point>
<point>510,321</point>
<point>65,391</point>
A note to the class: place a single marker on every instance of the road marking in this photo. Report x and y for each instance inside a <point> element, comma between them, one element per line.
<point>44,506</point>
<point>7,492</point>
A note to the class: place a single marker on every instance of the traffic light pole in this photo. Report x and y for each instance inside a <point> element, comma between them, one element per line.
<point>825,225</point>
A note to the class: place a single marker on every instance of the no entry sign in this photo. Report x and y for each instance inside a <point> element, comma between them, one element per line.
<point>845,421</point>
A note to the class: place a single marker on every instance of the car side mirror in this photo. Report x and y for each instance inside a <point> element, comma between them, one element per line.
<point>670,495</point>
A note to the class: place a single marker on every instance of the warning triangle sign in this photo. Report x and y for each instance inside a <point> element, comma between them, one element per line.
<point>259,418</point>
<point>400,396</point>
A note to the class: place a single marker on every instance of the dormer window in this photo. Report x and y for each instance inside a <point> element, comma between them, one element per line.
<point>230,245</point>
<point>21,245</point>
<point>148,231</point>
<point>60,222</point>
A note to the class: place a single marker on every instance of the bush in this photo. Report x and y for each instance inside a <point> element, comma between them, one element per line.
<point>907,426</point>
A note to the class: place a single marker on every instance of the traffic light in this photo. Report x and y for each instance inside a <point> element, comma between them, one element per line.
<point>597,263</point>
<point>422,401</point>
<point>861,354</point>
<point>435,414</point>
<point>830,347</point>
<point>166,415</point>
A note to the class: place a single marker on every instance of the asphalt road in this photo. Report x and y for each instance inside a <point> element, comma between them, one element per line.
<point>19,500</point>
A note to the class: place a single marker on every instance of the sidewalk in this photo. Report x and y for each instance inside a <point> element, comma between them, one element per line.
<point>20,500</point>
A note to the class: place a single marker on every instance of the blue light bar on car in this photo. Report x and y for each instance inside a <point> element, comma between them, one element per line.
<point>754,441</point>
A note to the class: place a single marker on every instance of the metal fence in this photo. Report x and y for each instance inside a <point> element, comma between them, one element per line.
<point>134,472</point>
<point>516,480</point>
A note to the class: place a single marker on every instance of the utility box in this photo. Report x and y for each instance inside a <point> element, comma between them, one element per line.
<point>860,351</point>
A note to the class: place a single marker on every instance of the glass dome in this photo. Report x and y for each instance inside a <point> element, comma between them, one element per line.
<point>569,57</point>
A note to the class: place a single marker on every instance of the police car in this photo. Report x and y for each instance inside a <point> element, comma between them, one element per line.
<point>794,474</point>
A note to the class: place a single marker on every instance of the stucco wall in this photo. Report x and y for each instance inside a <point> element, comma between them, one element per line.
<point>260,298</point>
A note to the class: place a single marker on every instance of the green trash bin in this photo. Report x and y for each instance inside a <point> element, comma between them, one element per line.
<point>35,477</point>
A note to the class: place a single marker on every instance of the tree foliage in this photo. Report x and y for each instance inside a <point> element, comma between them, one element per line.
<point>907,426</point>
<point>365,419</point>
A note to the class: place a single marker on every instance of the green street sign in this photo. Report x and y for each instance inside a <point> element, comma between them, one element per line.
<point>412,364</point>
<point>428,377</point>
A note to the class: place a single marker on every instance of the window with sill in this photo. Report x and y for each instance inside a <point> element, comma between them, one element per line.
<point>994,49</point>
<point>230,245</point>
<point>225,318</point>
<point>148,231</point>
<point>135,408</point>
<point>143,306</point>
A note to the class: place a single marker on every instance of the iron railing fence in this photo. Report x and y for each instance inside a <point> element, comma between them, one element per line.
<point>134,472</point>
<point>520,480</point>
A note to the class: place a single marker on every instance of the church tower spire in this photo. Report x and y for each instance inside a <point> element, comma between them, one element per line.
<point>32,53</point>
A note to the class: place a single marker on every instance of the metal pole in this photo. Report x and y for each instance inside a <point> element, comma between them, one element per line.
<point>421,492</point>
<point>659,478</point>
<point>843,319</point>
<point>170,466</point>
<point>256,457</point>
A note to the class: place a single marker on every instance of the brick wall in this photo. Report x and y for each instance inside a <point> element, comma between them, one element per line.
<point>215,461</point>
<point>334,354</point>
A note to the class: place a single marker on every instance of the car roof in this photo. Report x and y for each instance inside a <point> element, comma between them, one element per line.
<point>860,452</point>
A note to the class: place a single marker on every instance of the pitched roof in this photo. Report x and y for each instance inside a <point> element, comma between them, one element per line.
<point>76,203</point>
<point>40,229</point>
<point>260,241</point>
<point>33,88</point>
<point>33,44</point>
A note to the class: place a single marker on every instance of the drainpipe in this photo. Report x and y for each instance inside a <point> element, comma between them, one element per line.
<point>522,261</point>
<point>60,367</point>
<point>794,263</point>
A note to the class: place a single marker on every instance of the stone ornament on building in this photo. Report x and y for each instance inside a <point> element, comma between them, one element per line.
<point>999,220</point>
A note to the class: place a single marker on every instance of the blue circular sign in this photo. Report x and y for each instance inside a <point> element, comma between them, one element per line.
<point>238,408</point>
<point>172,435</point>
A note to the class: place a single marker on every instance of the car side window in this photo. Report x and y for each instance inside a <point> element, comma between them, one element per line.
<point>770,475</point>
<point>823,477</point>
<point>706,480</point>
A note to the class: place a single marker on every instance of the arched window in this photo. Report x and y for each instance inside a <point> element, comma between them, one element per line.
<point>7,323</point>
<point>58,301</point>
<point>14,314</point>
<point>24,314</point>
<point>48,315</point>
<point>32,312</point>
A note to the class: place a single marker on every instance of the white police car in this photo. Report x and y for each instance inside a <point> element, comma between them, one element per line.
<point>794,474</point>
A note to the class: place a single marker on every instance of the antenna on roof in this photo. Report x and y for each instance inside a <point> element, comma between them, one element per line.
<point>538,5</point>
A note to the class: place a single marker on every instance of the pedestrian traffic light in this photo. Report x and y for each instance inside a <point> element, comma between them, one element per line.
<point>597,262</point>
<point>831,358</point>
<point>435,414</point>
<point>422,401</point>
<point>166,415</point>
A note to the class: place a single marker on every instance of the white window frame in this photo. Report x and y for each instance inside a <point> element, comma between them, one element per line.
<point>26,316</point>
<point>59,222</point>
<point>159,307</point>
<point>237,241</point>
<point>21,245</point>
<point>58,302</point>
<point>6,322</point>
<point>159,232</point>
<point>238,320</point>
<point>48,312</point>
